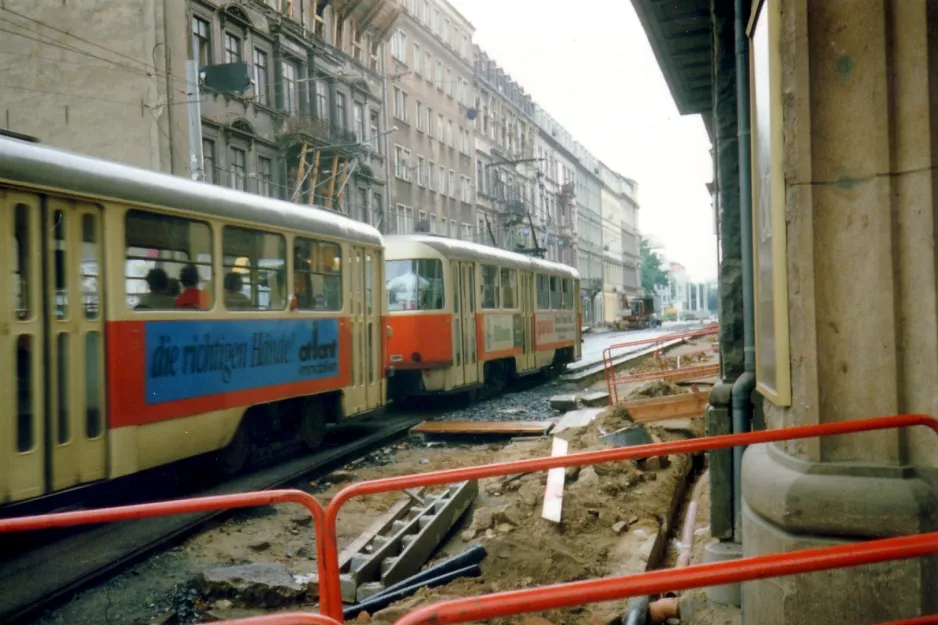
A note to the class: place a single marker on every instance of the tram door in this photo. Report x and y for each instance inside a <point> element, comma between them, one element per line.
<point>367,390</point>
<point>52,413</point>
<point>374,328</point>
<point>76,432</point>
<point>459,360</point>
<point>529,355</point>
<point>470,357</point>
<point>355,397</point>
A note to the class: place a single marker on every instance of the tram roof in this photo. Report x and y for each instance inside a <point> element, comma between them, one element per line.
<point>52,168</point>
<point>466,250</point>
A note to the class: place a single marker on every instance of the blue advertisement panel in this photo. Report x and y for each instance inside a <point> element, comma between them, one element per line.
<point>187,359</point>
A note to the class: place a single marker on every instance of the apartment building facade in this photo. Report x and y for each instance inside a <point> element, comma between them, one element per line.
<point>310,119</point>
<point>589,230</point>
<point>630,237</point>
<point>430,101</point>
<point>555,195</point>
<point>505,169</point>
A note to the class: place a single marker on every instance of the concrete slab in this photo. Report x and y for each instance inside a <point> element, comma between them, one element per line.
<point>577,419</point>
<point>565,402</point>
<point>595,399</point>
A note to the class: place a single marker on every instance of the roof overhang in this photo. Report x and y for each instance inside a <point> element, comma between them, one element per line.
<point>680,35</point>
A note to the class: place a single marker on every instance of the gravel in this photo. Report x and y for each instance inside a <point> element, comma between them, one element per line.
<point>526,402</point>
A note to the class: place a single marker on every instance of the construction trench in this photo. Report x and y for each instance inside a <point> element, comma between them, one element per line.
<point>404,550</point>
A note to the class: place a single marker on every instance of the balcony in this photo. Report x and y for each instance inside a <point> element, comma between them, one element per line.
<point>378,14</point>
<point>319,133</point>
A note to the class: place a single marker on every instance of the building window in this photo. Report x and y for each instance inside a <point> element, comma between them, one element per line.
<point>208,160</point>
<point>340,113</point>
<point>260,77</point>
<point>363,205</point>
<point>464,141</point>
<point>238,160</point>
<point>449,133</point>
<point>426,12</point>
<point>439,128</point>
<point>322,100</point>
<point>421,164</point>
<point>420,116</point>
<point>464,46</point>
<point>463,92</point>
<point>376,209</point>
<point>449,81</point>
<point>399,46</point>
<point>480,177</point>
<point>439,75</point>
<point>452,184</point>
<point>428,64</point>
<point>446,31</point>
<point>442,180</point>
<point>291,95</point>
<point>358,119</point>
<point>465,192</point>
<point>374,130</point>
<point>435,22</point>
<point>417,58</point>
<point>400,104</point>
<point>401,159</point>
<point>265,176</point>
<point>232,48</point>
<point>202,41</point>
<point>431,168</point>
<point>429,122</point>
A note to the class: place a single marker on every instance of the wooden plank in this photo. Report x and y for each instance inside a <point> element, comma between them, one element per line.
<point>686,405</point>
<point>300,171</point>
<point>346,169</point>
<point>335,169</point>
<point>684,373</point>
<point>482,427</point>
<point>553,493</point>
<point>314,179</point>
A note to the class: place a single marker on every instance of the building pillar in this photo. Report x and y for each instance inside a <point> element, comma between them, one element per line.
<point>859,82</point>
<point>726,166</point>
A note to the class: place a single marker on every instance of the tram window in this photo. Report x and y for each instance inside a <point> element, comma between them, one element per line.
<point>59,228</point>
<point>90,262</point>
<point>62,349</point>
<point>415,284</point>
<point>25,422</point>
<point>489,286</point>
<point>254,264</point>
<point>555,297</point>
<point>317,274</point>
<point>369,295</point>
<point>22,271</point>
<point>93,425</point>
<point>543,292</point>
<point>168,262</point>
<point>509,286</point>
<point>567,294</point>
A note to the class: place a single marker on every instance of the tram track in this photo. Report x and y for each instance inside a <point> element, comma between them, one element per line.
<point>37,580</point>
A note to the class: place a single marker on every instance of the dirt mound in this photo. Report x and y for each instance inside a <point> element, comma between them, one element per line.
<point>658,388</point>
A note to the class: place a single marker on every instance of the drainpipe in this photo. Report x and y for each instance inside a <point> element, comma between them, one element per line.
<point>745,384</point>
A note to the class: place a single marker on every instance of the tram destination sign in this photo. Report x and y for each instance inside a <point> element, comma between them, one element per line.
<point>187,359</point>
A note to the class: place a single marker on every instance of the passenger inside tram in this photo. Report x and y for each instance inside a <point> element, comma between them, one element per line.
<point>159,297</point>
<point>191,296</point>
<point>235,299</point>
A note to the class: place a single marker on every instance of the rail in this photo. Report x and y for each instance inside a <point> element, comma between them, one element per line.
<point>609,370</point>
<point>656,582</point>
<point>331,593</point>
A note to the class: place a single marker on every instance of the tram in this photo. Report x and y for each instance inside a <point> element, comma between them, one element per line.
<point>151,318</point>
<point>465,318</point>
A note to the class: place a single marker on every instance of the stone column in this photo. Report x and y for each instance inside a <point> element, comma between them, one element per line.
<point>860,94</point>
<point>726,168</point>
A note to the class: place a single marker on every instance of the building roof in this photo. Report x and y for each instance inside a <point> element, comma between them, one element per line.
<point>680,36</point>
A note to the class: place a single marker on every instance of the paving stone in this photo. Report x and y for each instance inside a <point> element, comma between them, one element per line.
<point>262,585</point>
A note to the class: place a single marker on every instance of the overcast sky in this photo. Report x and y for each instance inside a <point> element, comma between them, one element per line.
<point>589,64</point>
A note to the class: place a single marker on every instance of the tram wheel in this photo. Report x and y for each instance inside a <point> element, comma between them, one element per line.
<point>233,458</point>
<point>312,428</point>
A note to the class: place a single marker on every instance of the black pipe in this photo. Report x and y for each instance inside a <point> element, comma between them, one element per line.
<point>374,604</point>
<point>473,555</point>
<point>637,613</point>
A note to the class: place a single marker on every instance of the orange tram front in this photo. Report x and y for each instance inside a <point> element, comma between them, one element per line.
<point>464,318</point>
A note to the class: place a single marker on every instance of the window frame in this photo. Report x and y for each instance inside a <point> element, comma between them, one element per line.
<point>285,286</point>
<point>340,247</point>
<point>495,288</point>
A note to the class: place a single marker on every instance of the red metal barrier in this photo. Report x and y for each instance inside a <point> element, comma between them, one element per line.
<point>184,506</point>
<point>287,618</point>
<point>656,582</point>
<point>609,370</point>
<point>331,595</point>
<point>931,619</point>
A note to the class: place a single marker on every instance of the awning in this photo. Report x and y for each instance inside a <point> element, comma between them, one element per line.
<point>680,36</point>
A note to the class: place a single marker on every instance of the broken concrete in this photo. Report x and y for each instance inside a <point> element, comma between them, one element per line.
<point>577,419</point>
<point>565,402</point>
<point>261,585</point>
